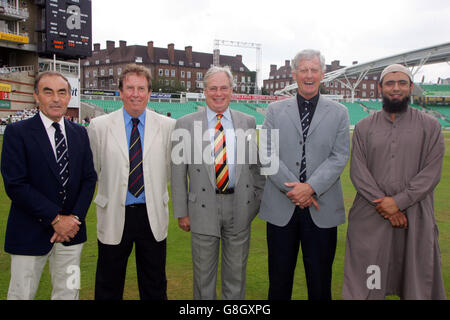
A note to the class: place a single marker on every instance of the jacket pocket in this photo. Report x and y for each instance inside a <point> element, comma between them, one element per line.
<point>192,197</point>
<point>101,201</point>
<point>166,198</point>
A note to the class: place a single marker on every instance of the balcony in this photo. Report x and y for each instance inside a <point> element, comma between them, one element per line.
<point>7,35</point>
<point>9,12</point>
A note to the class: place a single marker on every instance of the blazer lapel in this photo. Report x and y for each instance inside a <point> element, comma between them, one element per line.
<point>321,111</point>
<point>40,134</point>
<point>201,126</point>
<point>293,114</point>
<point>73,146</point>
<point>152,127</point>
<point>117,130</point>
<point>238,123</point>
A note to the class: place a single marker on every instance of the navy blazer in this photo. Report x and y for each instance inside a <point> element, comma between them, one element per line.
<point>32,182</point>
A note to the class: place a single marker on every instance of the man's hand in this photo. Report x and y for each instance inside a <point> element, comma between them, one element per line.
<point>66,227</point>
<point>399,220</point>
<point>184,223</point>
<point>302,195</point>
<point>386,206</point>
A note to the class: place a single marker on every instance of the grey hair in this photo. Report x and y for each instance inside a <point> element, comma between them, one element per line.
<point>309,54</point>
<point>215,69</point>
<point>50,74</point>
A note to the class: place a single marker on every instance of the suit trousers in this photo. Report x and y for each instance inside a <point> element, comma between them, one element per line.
<point>150,260</point>
<point>205,256</point>
<point>318,249</point>
<point>64,265</point>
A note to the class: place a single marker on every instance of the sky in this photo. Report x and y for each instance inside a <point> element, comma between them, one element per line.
<point>347,30</point>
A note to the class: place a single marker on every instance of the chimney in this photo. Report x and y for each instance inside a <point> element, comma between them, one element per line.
<point>287,63</point>
<point>96,46</point>
<point>150,51</point>
<point>188,51</point>
<point>239,57</point>
<point>110,45</point>
<point>122,44</point>
<point>171,51</point>
<point>273,68</point>
<point>335,65</point>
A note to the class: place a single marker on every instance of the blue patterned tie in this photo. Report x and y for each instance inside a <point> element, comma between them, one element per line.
<point>136,177</point>
<point>62,156</point>
<point>304,115</point>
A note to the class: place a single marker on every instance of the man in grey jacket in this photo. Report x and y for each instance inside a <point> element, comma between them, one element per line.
<point>216,187</point>
<point>303,201</point>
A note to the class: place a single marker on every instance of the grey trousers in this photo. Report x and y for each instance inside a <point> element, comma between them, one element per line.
<point>205,257</point>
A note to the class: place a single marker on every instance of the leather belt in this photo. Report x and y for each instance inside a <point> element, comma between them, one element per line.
<point>227,191</point>
<point>135,205</point>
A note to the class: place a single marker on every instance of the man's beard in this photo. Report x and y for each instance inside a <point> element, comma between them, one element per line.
<point>395,106</point>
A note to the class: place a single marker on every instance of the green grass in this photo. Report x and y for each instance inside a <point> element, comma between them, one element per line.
<point>179,264</point>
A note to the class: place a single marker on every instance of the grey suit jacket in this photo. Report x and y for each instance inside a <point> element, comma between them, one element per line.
<point>327,152</point>
<point>193,177</point>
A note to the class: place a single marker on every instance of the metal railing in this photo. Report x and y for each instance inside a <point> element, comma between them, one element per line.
<point>6,70</point>
<point>8,10</point>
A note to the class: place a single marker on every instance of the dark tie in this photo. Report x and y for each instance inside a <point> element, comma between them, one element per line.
<point>136,178</point>
<point>62,156</point>
<point>304,115</point>
<point>220,156</point>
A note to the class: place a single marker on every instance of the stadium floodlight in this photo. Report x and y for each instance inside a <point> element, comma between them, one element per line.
<point>251,45</point>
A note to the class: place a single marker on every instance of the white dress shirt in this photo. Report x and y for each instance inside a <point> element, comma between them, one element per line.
<point>50,129</point>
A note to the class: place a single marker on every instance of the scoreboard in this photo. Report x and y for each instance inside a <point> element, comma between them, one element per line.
<point>68,28</point>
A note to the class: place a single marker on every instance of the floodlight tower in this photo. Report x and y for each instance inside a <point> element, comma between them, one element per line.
<point>256,46</point>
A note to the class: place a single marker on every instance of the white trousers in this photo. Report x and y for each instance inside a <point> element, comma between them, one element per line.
<point>64,263</point>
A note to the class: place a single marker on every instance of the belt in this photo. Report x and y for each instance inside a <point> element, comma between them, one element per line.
<point>227,191</point>
<point>135,205</point>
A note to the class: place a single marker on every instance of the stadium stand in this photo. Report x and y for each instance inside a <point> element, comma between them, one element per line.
<point>355,112</point>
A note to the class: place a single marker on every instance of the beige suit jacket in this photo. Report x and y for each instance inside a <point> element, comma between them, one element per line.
<point>110,152</point>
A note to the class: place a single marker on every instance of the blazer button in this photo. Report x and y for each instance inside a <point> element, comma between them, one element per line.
<point>203,205</point>
<point>297,163</point>
<point>301,142</point>
<point>198,170</point>
<point>203,189</point>
<point>247,186</point>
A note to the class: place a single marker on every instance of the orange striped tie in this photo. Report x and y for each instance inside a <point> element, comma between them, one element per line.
<point>220,156</point>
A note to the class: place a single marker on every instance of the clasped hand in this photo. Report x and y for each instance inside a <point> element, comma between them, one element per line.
<point>65,229</point>
<point>388,209</point>
<point>301,195</point>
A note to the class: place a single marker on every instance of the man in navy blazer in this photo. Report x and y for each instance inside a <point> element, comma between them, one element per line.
<point>48,203</point>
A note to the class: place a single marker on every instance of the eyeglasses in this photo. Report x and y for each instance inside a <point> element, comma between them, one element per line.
<point>401,83</point>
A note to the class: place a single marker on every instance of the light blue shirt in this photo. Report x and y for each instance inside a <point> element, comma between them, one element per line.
<point>141,128</point>
<point>230,140</point>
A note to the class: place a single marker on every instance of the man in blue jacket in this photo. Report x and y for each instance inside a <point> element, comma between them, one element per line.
<point>49,176</point>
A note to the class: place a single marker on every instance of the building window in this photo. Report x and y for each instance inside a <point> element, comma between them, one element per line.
<point>119,71</point>
<point>172,73</point>
<point>181,63</point>
<point>182,74</point>
<point>364,86</point>
<point>94,73</point>
<point>160,72</point>
<point>197,64</point>
<point>199,76</point>
<point>372,86</point>
<point>188,85</point>
<point>182,84</point>
<point>166,72</point>
<point>107,60</point>
<point>111,71</point>
<point>86,75</point>
<point>102,83</point>
<point>102,72</point>
<point>188,74</point>
<point>97,61</point>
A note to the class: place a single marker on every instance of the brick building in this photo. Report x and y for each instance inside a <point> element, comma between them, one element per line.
<point>170,68</point>
<point>282,77</point>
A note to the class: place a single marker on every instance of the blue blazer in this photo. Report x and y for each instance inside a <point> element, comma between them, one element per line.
<point>31,179</point>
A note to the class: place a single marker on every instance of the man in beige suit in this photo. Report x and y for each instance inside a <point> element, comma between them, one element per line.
<point>131,150</point>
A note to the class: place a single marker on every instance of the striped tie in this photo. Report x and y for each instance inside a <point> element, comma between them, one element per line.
<point>136,178</point>
<point>304,114</point>
<point>220,156</point>
<point>62,157</point>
